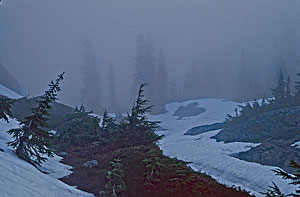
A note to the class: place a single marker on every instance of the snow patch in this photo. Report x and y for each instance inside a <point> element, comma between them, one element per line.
<point>18,178</point>
<point>9,93</point>
<point>296,144</point>
<point>211,157</point>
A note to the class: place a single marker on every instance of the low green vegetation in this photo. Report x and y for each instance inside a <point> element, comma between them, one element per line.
<point>131,163</point>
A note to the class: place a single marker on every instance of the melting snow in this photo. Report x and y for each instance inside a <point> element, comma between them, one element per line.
<point>211,157</point>
<point>18,178</point>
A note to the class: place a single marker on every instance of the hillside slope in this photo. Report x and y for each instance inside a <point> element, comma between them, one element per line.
<point>9,80</point>
<point>18,178</point>
<point>212,157</point>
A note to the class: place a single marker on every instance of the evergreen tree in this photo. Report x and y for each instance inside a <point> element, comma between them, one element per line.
<point>116,183</point>
<point>297,87</point>
<point>288,93</point>
<point>91,92</point>
<point>139,70</point>
<point>274,191</point>
<point>137,120</point>
<point>110,128</point>
<point>161,84</point>
<point>145,66</point>
<point>31,140</point>
<point>150,68</point>
<point>78,128</point>
<point>279,91</point>
<point>5,108</point>
<point>114,106</point>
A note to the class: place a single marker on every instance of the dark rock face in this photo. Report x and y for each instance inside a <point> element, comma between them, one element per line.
<point>277,153</point>
<point>191,109</point>
<point>276,131</point>
<point>282,123</point>
<point>204,128</point>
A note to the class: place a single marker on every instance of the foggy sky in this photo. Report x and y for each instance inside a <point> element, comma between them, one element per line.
<point>42,38</point>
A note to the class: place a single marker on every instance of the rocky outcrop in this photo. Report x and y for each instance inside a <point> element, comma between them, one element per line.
<point>277,153</point>
<point>276,131</point>
<point>204,128</point>
<point>277,124</point>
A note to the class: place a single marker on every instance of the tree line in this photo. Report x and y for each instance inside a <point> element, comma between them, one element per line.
<point>282,97</point>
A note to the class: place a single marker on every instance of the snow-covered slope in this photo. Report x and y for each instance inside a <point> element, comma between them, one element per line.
<point>9,93</point>
<point>18,178</point>
<point>209,156</point>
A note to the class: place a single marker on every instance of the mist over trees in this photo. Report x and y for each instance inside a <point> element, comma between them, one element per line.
<point>92,89</point>
<point>113,105</point>
<point>162,81</point>
<point>192,82</point>
<point>266,35</point>
<point>150,68</point>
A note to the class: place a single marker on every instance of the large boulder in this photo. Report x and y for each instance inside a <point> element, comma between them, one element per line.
<point>91,164</point>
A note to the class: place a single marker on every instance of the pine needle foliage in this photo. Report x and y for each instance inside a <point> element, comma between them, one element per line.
<point>31,139</point>
<point>5,108</point>
<point>137,121</point>
<point>79,128</point>
<point>110,129</point>
<point>295,179</point>
<point>274,191</point>
<point>116,183</point>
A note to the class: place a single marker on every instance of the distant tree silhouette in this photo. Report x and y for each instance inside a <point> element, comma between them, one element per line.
<point>161,84</point>
<point>288,92</point>
<point>145,67</point>
<point>114,106</point>
<point>279,91</point>
<point>91,92</point>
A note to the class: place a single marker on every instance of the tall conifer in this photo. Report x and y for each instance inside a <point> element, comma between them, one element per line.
<point>31,140</point>
<point>91,92</point>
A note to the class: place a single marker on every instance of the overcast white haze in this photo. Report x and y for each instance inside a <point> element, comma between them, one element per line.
<point>41,38</point>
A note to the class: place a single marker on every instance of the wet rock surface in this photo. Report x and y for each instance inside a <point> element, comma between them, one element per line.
<point>276,131</point>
